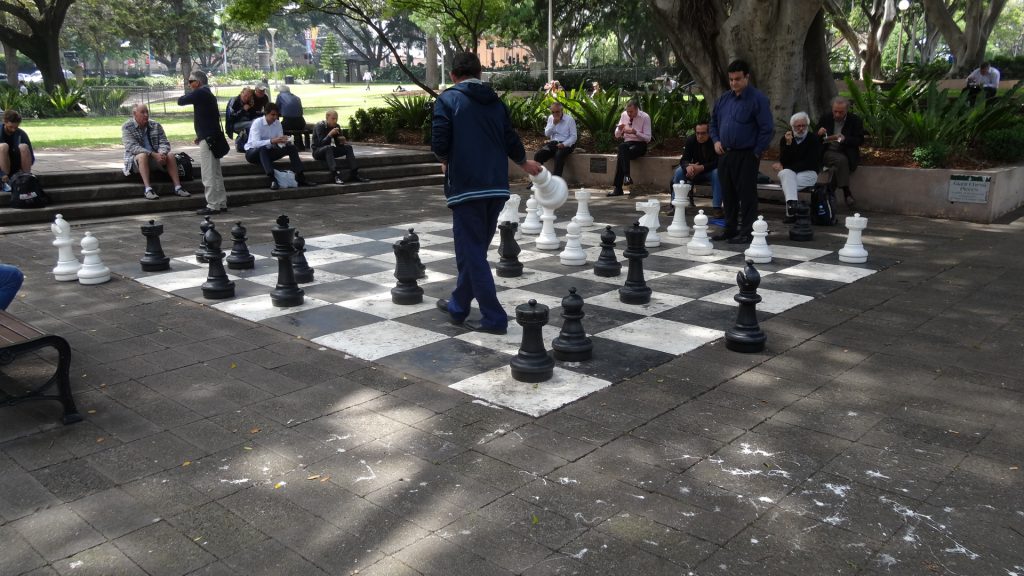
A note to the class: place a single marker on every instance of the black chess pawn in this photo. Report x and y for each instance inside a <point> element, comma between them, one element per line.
<point>508,265</point>
<point>240,258</point>
<point>635,291</point>
<point>201,251</point>
<point>217,285</point>
<point>414,242</point>
<point>406,291</point>
<point>746,335</point>
<point>154,259</point>
<point>287,293</point>
<point>607,264</point>
<point>572,344</point>
<point>532,363</point>
<point>303,273</point>
<point>801,230</point>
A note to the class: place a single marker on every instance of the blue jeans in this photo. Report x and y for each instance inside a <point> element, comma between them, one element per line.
<point>10,281</point>
<point>702,178</point>
<point>473,225</point>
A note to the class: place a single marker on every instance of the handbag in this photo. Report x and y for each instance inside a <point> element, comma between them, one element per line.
<point>286,179</point>
<point>218,144</point>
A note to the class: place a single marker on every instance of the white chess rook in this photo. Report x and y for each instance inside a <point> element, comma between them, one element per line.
<point>650,208</point>
<point>573,254</point>
<point>532,223</point>
<point>93,271</point>
<point>678,227</point>
<point>854,252</point>
<point>583,217</point>
<point>550,191</point>
<point>759,251</point>
<point>68,265</point>
<point>547,240</point>
<point>700,244</point>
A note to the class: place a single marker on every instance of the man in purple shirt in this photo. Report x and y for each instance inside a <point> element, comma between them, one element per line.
<point>742,129</point>
<point>634,129</point>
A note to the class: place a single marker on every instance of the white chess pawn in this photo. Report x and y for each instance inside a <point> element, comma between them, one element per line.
<point>550,191</point>
<point>700,244</point>
<point>93,271</point>
<point>511,213</point>
<point>650,208</point>
<point>854,252</point>
<point>759,251</point>
<point>532,223</point>
<point>573,254</point>
<point>583,217</point>
<point>67,266</point>
<point>678,227</point>
<point>547,240</point>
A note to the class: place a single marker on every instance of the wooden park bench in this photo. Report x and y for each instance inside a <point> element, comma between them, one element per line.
<point>17,337</point>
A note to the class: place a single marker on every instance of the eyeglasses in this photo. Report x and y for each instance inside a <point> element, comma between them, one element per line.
<point>799,125</point>
<point>702,133</point>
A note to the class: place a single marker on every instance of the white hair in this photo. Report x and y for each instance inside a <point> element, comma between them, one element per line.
<point>798,116</point>
<point>283,88</point>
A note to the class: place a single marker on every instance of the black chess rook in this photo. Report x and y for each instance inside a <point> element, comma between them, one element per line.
<point>154,259</point>
<point>406,291</point>
<point>240,258</point>
<point>217,285</point>
<point>636,290</point>
<point>572,344</point>
<point>532,363</point>
<point>746,336</point>
<point>300,267</point>
<point>287,293</point>
<point>801,230</point>
<point>201,251</point>
<point>508,265</point>
<point>607,265</point>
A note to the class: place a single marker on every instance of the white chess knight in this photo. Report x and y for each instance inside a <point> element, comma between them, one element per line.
<point>532,223</point>
<point>573,254</point>
<point>583,217</point>
<point>854,252</point>
<point>511,213</point>
<point>759,251</point>
<point>93,271</point>
<point>700,244</point>
<point>678,227</point>
<point>67,266</point>
<point>650,208</point>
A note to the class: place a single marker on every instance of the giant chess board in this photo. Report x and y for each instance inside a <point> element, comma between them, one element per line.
<point>348,305</point>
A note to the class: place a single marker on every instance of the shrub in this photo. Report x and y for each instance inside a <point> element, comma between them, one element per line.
<point>389,127</point>
<point>105,101</point>
<point>527,113</point>
<point>410,111</point>
<point>1003,144</point>
<point>596,115</point>
<point>931,155</point>
<point>427,131</point>
<point>516,80</point>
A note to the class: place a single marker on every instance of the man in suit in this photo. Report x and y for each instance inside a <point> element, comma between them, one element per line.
<point>842,133</point>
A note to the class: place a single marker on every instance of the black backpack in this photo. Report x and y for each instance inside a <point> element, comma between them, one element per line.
<point>823,209</point>
<point>186,173</point>
<point>26,192</point>
<point>240,139</point>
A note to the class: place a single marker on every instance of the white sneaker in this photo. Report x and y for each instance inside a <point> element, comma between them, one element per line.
<point>181,192</point>
<point>150,195</point>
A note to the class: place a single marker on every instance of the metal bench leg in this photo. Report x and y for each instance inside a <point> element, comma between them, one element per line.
<point>63,377</point>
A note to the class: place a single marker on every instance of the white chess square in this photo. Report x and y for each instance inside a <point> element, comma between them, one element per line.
<point>662,335</point>
<point>427,240</point>
<point>498,387</point>
<point>380,339</point>
<point>588,274</point>
<point>387,278</point>
<point>179,280</point>
<point>191,259</point>
<point>772,301</point>
<point>321,257</point>
<point>509,342</point>
<point>511,298</point>
<point>319,277</point>
<point>426,256</point>
<point>524,256</point>
<point>335,240</point>
<point>824,271</point>
<point>660,302</point>
<point>380,305</point>
<point>529,276</point>
<point>714,273</point>
<point>796,252</point>
<point>426,226</point>
<point>257,308</point>
<point>681,253</point>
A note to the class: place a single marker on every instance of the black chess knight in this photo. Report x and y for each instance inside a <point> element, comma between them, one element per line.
<point>407,269</point>
<point>303,273</point>
<point>508,265</point>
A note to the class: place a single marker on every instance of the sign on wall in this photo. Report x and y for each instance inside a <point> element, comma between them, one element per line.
<point>969,188</point>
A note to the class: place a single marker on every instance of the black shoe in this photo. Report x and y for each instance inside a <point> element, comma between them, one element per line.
<point>690,198</point>
<point>723,236</point>
<point>442,305</point>
<point>743,239</point>
<point>273,184</point>
<point>207,211</point>
<point>626,181</point>
<point>671,211</point>
<point>848,198</point>
<point>616,192</point>
<point>358,178</point>
<point>338,180</point>
<point>476,327</point>
<point>303,181</point>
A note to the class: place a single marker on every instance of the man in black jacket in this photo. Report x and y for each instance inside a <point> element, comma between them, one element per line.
<point>799,160</point>
<point>206,119</point>
<point>842,132</point>
<point>329,143</point>
<point>698,165</point>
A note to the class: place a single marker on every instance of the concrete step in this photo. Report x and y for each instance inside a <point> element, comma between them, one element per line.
<point>136,204</point>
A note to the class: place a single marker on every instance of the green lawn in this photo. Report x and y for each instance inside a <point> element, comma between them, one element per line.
<point>105,132</point>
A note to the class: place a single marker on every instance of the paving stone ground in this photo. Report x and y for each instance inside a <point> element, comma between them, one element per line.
<point>880,433</point>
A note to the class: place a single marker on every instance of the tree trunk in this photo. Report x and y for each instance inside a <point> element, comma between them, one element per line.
<point>430,55</point>
<point>11,61</point>
<point>181,41</point>
<point>782,40</point>
<point>967,45</point>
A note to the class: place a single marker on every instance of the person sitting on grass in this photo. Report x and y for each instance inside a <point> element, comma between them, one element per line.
<point>16,153</point>
<point>147,150</point>
<point>267,143</point>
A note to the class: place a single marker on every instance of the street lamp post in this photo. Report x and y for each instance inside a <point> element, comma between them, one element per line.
<point>273,60</point>
<point>551,48</point>
<point>902,6</point>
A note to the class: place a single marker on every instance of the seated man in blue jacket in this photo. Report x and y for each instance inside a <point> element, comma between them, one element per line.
<point>267,143</point>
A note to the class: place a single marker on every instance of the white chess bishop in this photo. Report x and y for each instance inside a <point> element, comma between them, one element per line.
<point>67,264</point>
<point>759,251</point>
<point>700,244</point>
<point>854,252</point>
<point>93,271</point>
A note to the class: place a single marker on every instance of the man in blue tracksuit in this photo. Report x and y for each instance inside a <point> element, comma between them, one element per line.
<point>472,136</point>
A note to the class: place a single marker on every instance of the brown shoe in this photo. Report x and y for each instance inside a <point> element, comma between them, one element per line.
<point>717,213</point>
